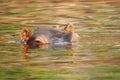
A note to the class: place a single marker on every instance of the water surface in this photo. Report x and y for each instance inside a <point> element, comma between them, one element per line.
<point>95,57</point>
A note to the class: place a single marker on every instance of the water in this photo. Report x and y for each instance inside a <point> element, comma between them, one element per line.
<point>95,57</point>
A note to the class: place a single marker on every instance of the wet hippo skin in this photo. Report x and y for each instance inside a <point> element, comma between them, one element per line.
<point>46,35</point>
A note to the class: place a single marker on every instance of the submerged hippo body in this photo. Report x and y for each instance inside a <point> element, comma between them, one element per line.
<point>43,36</point>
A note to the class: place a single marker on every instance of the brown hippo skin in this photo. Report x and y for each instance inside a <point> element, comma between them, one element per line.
<point>43,36</point>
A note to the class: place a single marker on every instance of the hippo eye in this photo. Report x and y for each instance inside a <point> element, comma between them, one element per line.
<point>37,41</point>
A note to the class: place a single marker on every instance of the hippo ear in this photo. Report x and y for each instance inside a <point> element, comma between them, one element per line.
<point>69,28</point>
<point>25,34</point>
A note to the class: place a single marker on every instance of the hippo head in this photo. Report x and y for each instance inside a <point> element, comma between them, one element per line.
<point>41,37</point>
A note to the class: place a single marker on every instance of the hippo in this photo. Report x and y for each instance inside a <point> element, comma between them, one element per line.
<point>44,36</point>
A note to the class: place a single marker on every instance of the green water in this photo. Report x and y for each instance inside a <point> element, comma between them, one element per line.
<point>95,57</point>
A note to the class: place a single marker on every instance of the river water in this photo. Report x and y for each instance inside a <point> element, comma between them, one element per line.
<point>95,57</point>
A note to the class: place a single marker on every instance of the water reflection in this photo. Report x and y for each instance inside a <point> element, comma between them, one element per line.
<point>67,47</point>
<point>25,52</point>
